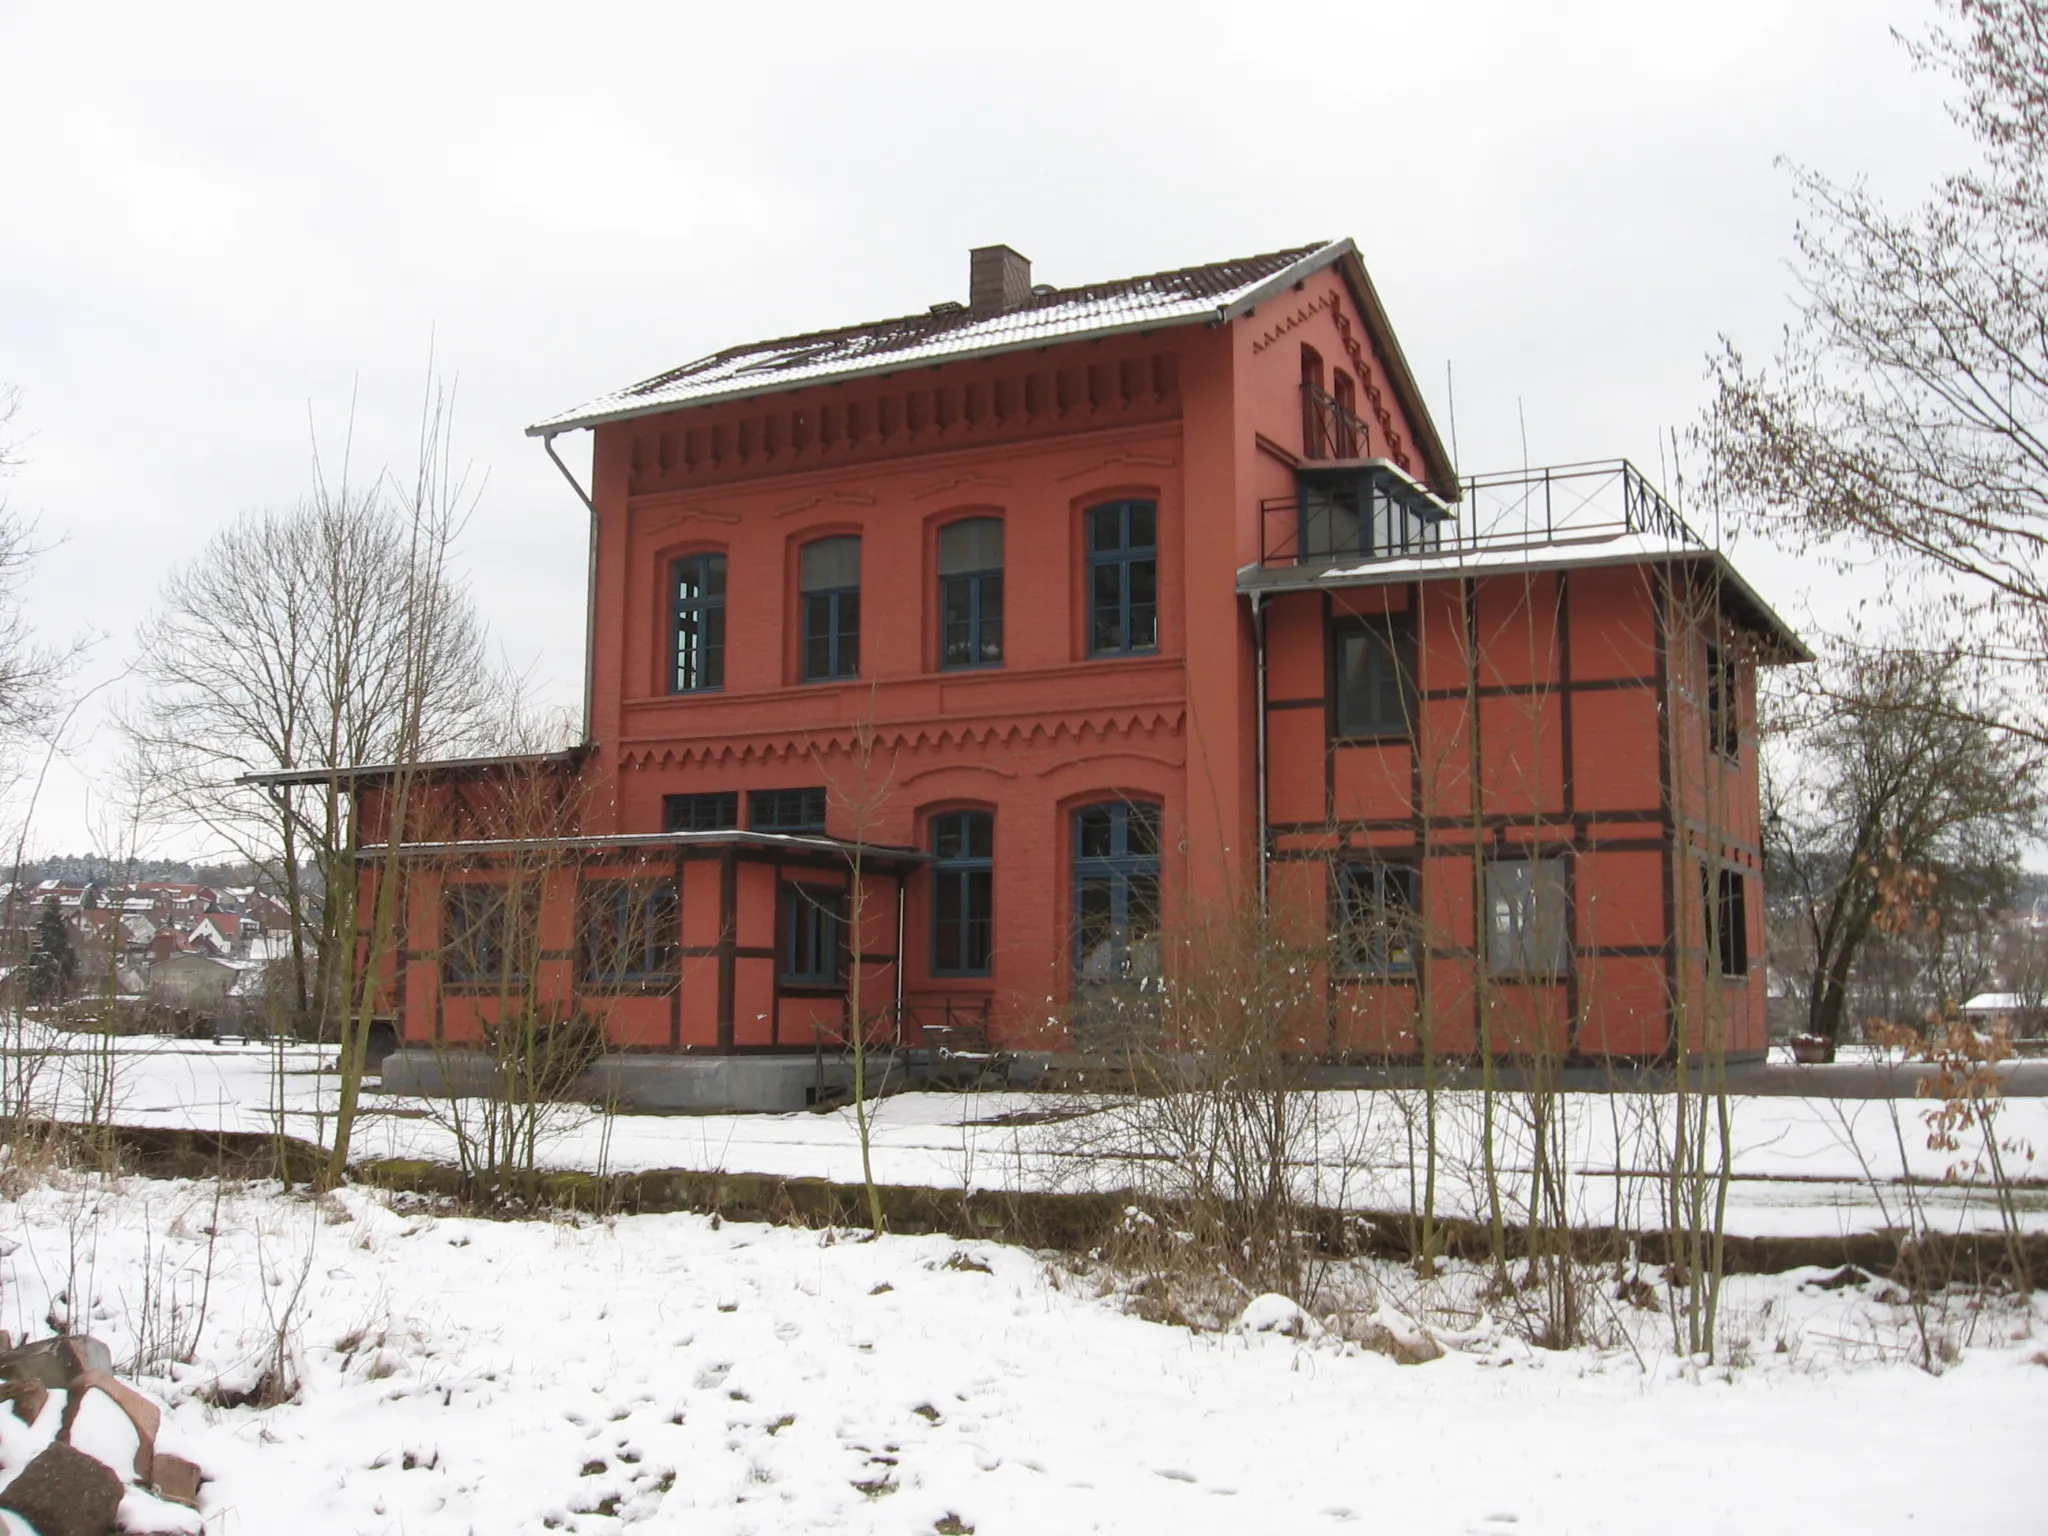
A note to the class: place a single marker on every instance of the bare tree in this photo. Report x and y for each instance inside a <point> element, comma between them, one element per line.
<point>327,635</point>
<point>1903,413</point>
<point>32,672</point>
<point>1881,767</point>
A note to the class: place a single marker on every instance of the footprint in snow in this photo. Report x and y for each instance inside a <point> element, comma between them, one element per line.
<point>1173,1474</point>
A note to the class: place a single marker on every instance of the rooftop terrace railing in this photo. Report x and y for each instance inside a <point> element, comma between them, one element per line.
<point>1498,513</point>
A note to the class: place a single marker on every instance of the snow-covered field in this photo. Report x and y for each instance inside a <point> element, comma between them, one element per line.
<point>1803,1167</point>
<point>470,1376</point>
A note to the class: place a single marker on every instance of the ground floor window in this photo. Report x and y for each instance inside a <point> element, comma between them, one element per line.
<point>963,893</point>
<point>1116,893</point>
<point>630,932</point>
<point>813,919</point>
<point>1528,917</point>
<point>1727,916</point>
<point>487,937</point>
<point>1376,915</point>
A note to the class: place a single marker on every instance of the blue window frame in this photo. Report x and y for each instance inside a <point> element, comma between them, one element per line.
<point>971,593</point>
<point>1123,578</point>
<point>697,592</point>
<point>1375,677</point>
<point>630,933</point>
<point>963,893</point>
<point>718,811</point>
<point>829,576</point>
<point>486,937</point>
<point>1376,906</point>
<point>812,921</point>
<point>1116,892</point>
<point>786,810</point>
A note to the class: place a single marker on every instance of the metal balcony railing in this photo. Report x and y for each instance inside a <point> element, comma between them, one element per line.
<point>1329,429</point>
<point>1498,513</point>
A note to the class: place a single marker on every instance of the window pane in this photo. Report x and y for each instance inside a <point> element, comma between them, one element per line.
<point>847,662</point>
<point>1106,528</point>
<point>1142,830</point>
<point>1093,903</point>
<point>1094,827</point>
<point>1144,525</point>
<point>958,599</point>
<point>1144,619</point>
<point>831,563</point>
<point>990,639</point>
<point>948,916</point>
<point>981,834</point>
<point>973,545</point>
<point>1108,604</point>
<point>980,919</point>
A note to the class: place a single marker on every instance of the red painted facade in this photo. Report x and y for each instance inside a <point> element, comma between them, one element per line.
<point>1583,724</point>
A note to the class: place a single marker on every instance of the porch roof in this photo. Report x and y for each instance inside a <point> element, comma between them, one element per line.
<point>1563,552</point>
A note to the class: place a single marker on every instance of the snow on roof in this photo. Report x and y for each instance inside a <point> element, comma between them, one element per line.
<point>1218,291</point>
<point>1999,1002</point>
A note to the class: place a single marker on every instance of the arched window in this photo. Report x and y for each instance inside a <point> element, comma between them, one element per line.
<point>1314,440</point>
<point>963,893</point>
<point>697,611</point>
<point>1116,893</point>
<point>971,593</point>
<point>1123,578</point>
<point>830,578</point>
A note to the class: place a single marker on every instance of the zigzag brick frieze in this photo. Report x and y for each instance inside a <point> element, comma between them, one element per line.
<point>1119,726</point>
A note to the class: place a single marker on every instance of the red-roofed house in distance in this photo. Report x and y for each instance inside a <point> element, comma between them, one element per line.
<point>1153,596</point>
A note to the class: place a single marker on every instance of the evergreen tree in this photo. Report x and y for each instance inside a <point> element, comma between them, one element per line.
<point>52,963</point>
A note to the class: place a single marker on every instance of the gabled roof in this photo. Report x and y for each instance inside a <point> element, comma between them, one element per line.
<point>1214,294</point>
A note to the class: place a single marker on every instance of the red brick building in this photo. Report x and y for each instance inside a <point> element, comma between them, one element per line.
<point>1074,610</point>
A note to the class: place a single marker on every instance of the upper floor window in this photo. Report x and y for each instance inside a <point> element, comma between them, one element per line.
<point>1724,685</point>
<point>787,810</point>
<point>963,893</point>
<point>971,592</point>
<point>1123,578</point>
<point>630,933</point>
<point>697,584</point>
<point>718,811</point>
<point>830,578</point>
<point>1376,906</point>
<point>1375,682</point>
<point>1528,917</point>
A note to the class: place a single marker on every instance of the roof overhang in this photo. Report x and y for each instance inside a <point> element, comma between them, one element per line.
<point>372,773</point>
<point>884,857</point>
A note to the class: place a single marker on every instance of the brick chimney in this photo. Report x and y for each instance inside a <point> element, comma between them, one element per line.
<point>998,279</point>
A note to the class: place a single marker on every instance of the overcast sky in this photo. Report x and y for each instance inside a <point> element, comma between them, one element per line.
<point>218,220</point>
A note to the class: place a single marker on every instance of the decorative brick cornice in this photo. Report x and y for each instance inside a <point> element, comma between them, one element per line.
<point>1119,727</point>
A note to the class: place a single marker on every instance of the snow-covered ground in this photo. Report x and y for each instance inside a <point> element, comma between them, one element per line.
<point>1803,1167</point>
<point>462,1375</point>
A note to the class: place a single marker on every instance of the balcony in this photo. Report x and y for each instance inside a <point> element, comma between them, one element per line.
<point>1329,429</point>
<point>1370,510</point>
